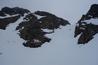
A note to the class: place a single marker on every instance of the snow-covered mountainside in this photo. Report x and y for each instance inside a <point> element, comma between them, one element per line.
<point>61,50</point>
<point>87,26</point>
<point>31,29</point>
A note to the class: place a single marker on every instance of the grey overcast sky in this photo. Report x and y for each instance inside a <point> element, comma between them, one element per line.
<point>62,50</point>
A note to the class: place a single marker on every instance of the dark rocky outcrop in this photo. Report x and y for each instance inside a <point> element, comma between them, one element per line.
<point>31,29</point>
<point>93,12</point>
<point>14,14</point>
<point>50,21</point>
<point>13,11</point>
<point>2,13</point>
<point>87,30</point>
<point>4,22</point>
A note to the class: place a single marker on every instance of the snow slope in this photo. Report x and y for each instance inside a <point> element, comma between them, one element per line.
<point>62,50</point>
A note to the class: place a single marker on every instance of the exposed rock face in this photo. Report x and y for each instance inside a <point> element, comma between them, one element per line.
<point>4,22</point>
<point>50,21</point>
<point>14,14</point>
<point>2,13</point>
<point>13,11</point>
<point>93,12</point>
<point>87,29</point>
<point>31,29</point>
